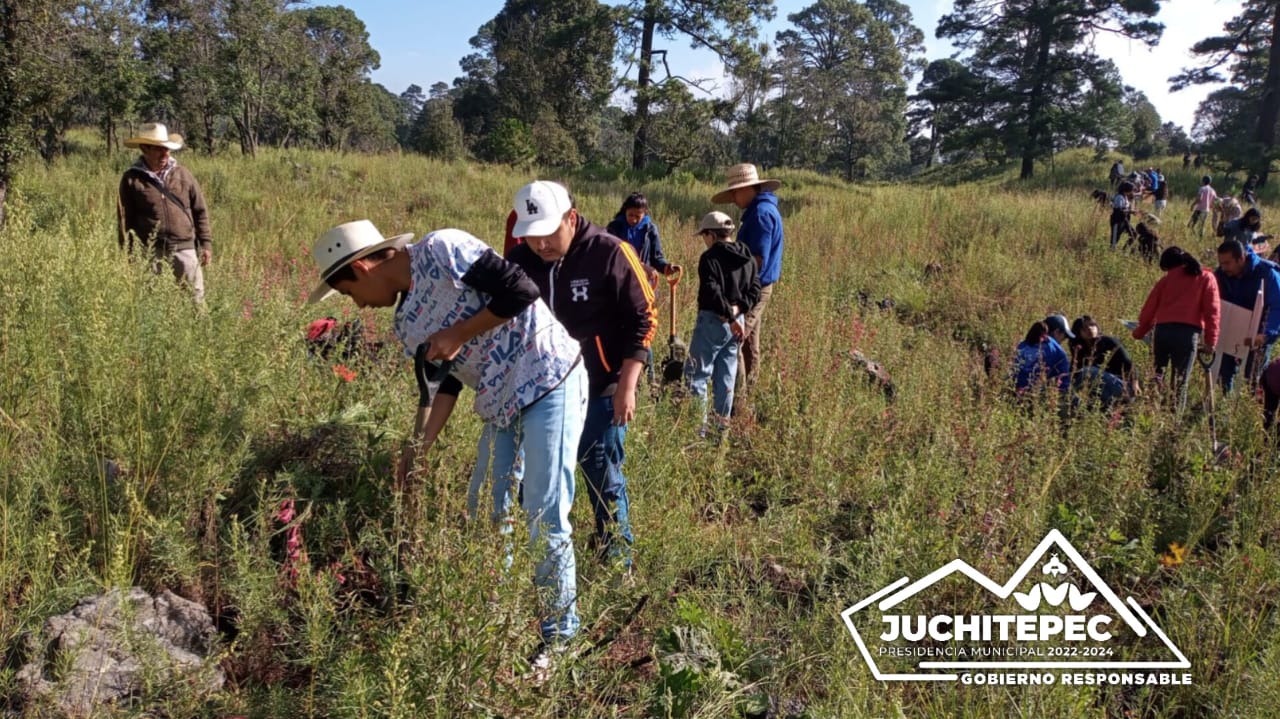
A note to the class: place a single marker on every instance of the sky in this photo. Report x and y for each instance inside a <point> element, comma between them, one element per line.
<point>422,42</point>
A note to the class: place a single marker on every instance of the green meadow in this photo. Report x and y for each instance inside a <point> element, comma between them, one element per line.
<point>145,443</point>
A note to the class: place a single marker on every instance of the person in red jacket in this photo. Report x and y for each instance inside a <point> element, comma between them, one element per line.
<point>1182,307</point>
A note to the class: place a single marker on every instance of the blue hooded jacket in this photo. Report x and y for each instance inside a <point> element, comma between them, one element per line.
<point>643,236</point>
<point>761,232</point>
<point>1045,360</point>
<point>1243,289</point>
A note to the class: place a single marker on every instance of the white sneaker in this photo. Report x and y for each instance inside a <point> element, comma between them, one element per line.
<point>543,661</point>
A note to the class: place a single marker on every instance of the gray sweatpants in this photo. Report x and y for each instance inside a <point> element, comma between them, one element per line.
<point>186,269</point>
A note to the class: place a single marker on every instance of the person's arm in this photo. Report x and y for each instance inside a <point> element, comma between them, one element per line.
<point>1147,317</point>
<point>200,217</point>
<point>436,400</point>
<point>638,313</point>
<point>1210,311</point>
<point>753,234</point>
<point>510,292</point>
<point>123,210</point>
<point>711,292</point>
<point>751,293</point>
<point>1271,296</point>
<point>656,258</point>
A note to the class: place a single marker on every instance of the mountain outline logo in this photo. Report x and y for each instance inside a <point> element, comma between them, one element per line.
<point>1049,592</point>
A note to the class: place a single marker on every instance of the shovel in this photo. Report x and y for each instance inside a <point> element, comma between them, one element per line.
<point>1210,367</point>
<point>677,351</point>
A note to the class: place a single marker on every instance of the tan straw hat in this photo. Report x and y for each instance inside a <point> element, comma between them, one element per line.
<point>743,175</point>
<point>345,244</point>
<point>153,133</point>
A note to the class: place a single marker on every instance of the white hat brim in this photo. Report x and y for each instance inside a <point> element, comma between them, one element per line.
<point>137,142</point>
<point>536,228</point>
<point>726,195</point>
<point>322,291</point>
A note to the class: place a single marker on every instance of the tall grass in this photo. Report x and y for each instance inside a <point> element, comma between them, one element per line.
<point>146,442</point>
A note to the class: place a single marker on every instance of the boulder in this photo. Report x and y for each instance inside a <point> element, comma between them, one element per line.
<point>118,646</point>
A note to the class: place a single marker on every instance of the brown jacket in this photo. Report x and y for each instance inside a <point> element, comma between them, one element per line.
<point>176,216</point>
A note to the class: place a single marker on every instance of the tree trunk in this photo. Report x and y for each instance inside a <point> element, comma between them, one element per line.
<point>1269,112</point>
<point>1035,108</point>
<point>640,151</point>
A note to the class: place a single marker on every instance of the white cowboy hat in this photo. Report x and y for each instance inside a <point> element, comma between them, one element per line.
<point>343,245</point>
<point>153,133</point>
<point>743,175</point>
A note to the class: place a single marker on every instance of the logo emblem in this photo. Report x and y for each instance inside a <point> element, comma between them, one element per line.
<point>1064,625</point>
<point>531,207</point>
<point>579,293</point>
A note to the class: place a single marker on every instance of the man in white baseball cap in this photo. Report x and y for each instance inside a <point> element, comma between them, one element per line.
<point>599,290</point>
<point>469,317</point>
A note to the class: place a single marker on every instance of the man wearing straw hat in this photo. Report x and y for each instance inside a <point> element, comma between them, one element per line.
<point>161,207</point>
<point>470,318</point>
<point>761,232</point>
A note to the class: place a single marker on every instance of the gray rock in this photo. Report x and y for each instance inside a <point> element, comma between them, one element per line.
<point>118,646</point>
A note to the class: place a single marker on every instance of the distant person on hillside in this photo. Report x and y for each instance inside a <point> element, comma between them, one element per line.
<point>1240,275</point>
<point>1121,210</point>
<point>1204,203</point>
<point>470,318</point>
<point>1245,229</point>
<point>1197,162</point>
<point>1227,209</point>
<point>162,208</point>
<point>1161,193</point>
<point>761,232</point>
<point>728,286</point>
<point>1186,160</point>
<point>1181,307</point>
<point>1117,173</point>
<point>1248,193</point>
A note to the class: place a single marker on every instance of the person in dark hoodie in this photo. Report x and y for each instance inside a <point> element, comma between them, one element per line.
<point>761,232</point>
<point>1240,275</point>
<point>728,287</point>
<point>596,287</point>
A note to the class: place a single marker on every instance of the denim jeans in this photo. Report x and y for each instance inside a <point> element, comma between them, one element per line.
<point>1100,385</point>
<point>500,491</point>
<point>1227,370</point>
<point>601,455</point>
<point>713,355</point>
<point>547,433</point>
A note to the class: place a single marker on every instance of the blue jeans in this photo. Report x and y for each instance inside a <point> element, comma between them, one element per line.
<point>600,453</point>
<point>1101,385</point>
<point>1227,370</point>
<point>547,432</point>
<point>713,354</point>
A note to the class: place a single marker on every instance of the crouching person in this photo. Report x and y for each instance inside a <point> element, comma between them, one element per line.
<point>728,287</point>
<point>461,305</point>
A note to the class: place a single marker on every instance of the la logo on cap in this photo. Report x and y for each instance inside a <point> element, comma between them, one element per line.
<point>540,206</point>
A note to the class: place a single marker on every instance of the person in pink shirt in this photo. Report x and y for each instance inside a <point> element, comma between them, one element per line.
<point>1182,307</point>
<point>1204,203</point>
